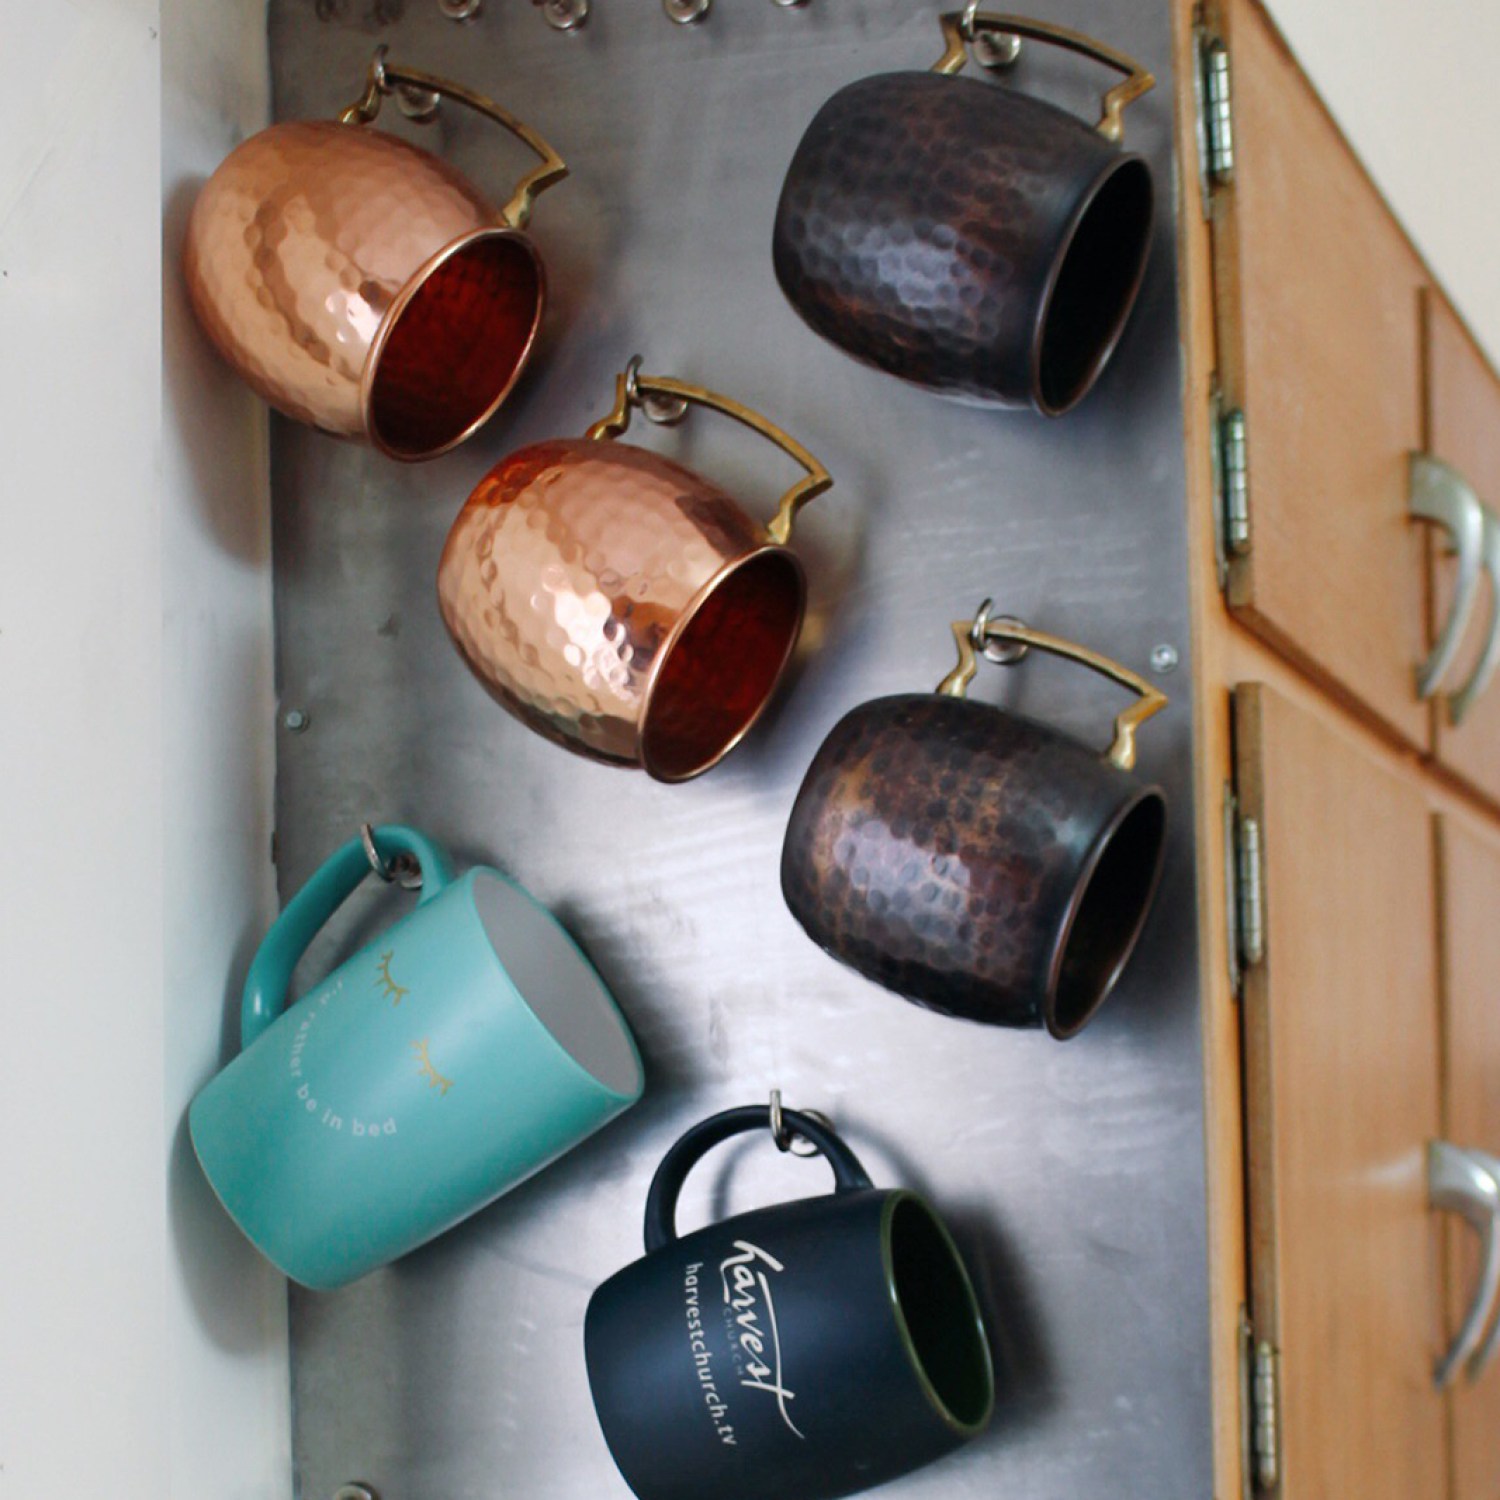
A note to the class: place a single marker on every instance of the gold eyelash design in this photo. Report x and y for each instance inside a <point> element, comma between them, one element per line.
<point>430,1073</point>
<point>392,991</point>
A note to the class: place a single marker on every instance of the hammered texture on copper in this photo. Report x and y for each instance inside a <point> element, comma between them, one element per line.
<point>935,847</point>
<point>568,570</point>
<point>299,244</point>
<point>920,223</point>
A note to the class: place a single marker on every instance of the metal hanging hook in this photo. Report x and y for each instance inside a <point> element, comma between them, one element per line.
<point>997,648</point>
<point>992,49</point>
<point>403,867</point>
<point>665,411</point>
<point>787,1139</point>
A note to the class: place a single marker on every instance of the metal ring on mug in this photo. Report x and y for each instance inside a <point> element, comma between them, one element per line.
<point>1004,653</point>
<point>995,50</point>
<point>665,411</point>
<point>403,868</point>
<point>786,1140</point>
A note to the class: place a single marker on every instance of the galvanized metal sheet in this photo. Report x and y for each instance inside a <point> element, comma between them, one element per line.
<point>1073,1173</point>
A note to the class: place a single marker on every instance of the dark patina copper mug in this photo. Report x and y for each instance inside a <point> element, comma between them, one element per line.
<point>620,604</point>
<point>363,285</point>
<point>973,860</point>
<point>972,240</point>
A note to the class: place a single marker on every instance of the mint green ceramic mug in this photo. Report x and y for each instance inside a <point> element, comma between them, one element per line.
<point>467,1047</point>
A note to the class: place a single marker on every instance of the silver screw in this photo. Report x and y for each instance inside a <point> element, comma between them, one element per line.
<point>294,721</point>
<point>1163,659</point>
<point>460,10</point>
<point>686,12</point>
<point>564,15</point>
<point>355,1492</point>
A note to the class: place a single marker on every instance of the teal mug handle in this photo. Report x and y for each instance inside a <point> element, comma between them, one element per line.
<point>334,881</point>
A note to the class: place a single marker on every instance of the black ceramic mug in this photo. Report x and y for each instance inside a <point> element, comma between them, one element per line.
<point>968,238</point>
<point>974,860</point>
<point>799,1352</point>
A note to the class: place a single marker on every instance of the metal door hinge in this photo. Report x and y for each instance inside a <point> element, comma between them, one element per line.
<point>1229,435</point>
<point>1215,114</point>
<point>1260,1388</point>
<point>1244,882</point>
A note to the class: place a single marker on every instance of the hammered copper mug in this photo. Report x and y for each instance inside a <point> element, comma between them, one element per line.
<point>973,860</point>
<point>970,239</point>
<point>620,604</point>
<point>363,285</point>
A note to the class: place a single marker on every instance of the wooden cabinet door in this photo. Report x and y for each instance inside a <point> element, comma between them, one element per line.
<point>1469,875</point>
<point>1463,429</point>
<point>1340,1022</point>
<point>1318,336</point>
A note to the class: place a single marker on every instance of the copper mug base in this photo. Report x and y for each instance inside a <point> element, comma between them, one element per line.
<point>620,604</point>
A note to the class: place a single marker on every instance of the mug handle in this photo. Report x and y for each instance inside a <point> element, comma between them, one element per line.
<point>665,401</point>
<point>661,1201</point>
<point>981,632</point>
<point>331,884</point>
<point>426,91</point>
<point>961,27</point>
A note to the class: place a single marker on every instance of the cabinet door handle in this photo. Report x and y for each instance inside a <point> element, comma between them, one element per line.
<point>1491,1345</point>
<point>1457,1182</point>
<point>1440,494</point>
<point>1465,698</point>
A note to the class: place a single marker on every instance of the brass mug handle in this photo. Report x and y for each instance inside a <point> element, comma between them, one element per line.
<point>427,91</point>
<point>666,400</point>
<point>983,631</point>
<point>961,27</point>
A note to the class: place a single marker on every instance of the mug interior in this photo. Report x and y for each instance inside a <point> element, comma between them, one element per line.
<point>1108,913</point>
<point>558,983</point>
<point>720,670</point>
<point>456,341</point>
<point>941,1315</point>
<point>1094,286</point>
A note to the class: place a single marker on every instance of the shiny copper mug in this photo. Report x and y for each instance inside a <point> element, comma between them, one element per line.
<point>970,239</point>
<point>974,860</point>
<point>363,285</point>
<point>620,604</point>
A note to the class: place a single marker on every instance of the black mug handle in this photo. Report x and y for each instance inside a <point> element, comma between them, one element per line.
<point>661,1201</point>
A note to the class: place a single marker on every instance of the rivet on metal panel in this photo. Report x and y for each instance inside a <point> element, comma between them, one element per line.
<point>460,10</point>
<point>355,1492</point>
<point>564,15</point>
<point>686,12</point>
<point>1164,658</point>
<point>295,720</point>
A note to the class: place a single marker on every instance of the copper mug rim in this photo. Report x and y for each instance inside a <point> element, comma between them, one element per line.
<point>649,762</point>
<point>1064,1020</point>
<point>418,280</point>
<point>1054,398</point>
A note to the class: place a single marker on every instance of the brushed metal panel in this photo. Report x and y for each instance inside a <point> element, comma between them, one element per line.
<point>1073,1172</point>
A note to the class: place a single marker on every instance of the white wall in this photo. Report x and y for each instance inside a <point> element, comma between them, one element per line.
<point>1413,87</point>
<point>142,1347</point>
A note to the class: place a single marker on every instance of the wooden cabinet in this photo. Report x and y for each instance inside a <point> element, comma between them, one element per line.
<point>1469,891</point>
<point>1463,430</point>
<point>1341,1098</point>
<point>1317,314</point>
<point>1360,893</point>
